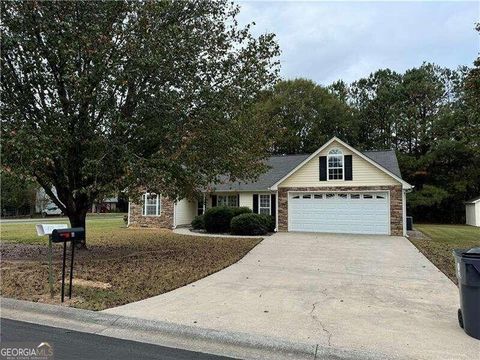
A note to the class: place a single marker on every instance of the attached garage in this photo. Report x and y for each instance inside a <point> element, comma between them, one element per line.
<point>341,212</point>
<point>336,189</point>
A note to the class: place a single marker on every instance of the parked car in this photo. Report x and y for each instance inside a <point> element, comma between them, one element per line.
<point>52,209</point>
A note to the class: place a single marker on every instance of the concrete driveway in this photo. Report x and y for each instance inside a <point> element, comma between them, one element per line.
<point>366,294</point>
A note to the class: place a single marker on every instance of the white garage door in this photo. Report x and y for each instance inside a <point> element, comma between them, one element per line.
<point>352,213</point>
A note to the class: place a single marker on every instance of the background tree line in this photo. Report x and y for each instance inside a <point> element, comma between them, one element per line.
<point>430,115</point>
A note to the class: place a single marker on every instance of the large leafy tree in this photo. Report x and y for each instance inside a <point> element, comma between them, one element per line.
<point>17,194</point>
<point>104,95</point>
<point>303,116</point>
<point>376,100</point>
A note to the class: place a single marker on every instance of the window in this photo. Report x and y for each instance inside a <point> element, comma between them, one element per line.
<point>317,196</point>
<point>200,206</point>
<point>366,196</point>
<point>342,196</point>
<point>380,197</point>
<point>355,196</point>
<point>329,196</point>
<point>308,196</point>
<point>227,200</point>
<point>335,165</point>
<point>296,197</point>
<point>151,204</point>
<point>264,204</point>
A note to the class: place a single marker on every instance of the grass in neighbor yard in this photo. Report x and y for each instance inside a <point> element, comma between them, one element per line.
<point>440,240</point>
<point>126,264</point>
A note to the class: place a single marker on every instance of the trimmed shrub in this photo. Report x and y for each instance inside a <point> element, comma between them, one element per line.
<point>217,219</point>
<point>269,222</point>
<point>249,224</point>
<point>198,222</point>
<point>241,210</point>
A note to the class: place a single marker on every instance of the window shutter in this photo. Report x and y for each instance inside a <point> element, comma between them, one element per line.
<point>323,168</point>
<point>238,200</point>
<point>214,200</point>
<point>273,207</point>
<point>255,203</point>
<point>348,167</point>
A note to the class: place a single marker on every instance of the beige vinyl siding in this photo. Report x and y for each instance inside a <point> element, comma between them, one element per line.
<point>246,199</point>
<point>185,211</point>
<point>364,173</point>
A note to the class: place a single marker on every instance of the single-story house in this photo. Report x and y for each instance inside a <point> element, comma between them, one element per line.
<point>472,211</point>
<point>337,189</point>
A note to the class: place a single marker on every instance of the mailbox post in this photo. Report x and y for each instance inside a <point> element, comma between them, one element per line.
<point>46,229</point>
<point>63,236</point>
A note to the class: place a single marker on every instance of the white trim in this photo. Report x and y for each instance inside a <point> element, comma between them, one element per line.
<point>472,201</point>
<point>404,212</point>
<point>158,204</point>
<point>128,214</point>
<point>175,214</point>
<point>269,203</point>
<point>276,210</point>
<point>343,191</point>
<point>235,191</point>
<point>343,165</point>
<point>405,185</point>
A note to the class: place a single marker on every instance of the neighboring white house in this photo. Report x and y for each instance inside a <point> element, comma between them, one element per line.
<point>43,203</point>
<point>472,211</point>
<point>42,200</point>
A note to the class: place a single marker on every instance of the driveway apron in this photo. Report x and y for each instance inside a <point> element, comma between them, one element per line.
<point>352,292</point>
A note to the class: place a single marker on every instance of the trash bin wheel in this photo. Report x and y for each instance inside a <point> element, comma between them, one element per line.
<point>460,318</point>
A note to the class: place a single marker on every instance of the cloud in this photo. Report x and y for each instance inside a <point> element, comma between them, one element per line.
<point>327,41</point>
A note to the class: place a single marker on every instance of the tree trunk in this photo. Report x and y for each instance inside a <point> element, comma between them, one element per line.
<point>78,220</point>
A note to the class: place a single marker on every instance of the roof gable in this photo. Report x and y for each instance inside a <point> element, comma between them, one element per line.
<point>282,166</point>
<point>278,167</point>
<point>473,201</point>
<point>384,157</point>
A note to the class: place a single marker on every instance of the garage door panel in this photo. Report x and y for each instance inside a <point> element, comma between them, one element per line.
<point>364,214</point>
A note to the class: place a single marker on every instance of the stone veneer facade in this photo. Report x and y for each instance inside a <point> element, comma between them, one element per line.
<point>396,208</point>
<point>164,220</point>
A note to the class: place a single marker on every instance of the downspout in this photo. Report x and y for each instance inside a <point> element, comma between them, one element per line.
<point>174,214</point>
<point>404,212</point>
<point>276,209</point>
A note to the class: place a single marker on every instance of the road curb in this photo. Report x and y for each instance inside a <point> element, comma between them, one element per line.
<point>232,344</point>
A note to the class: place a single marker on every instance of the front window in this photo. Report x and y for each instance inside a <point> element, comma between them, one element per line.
<point>335,165</point>
<point>227,200</point>
<point>264,204</point>
<point>151,204</point>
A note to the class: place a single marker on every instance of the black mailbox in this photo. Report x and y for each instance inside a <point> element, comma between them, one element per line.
<point>69,234</point>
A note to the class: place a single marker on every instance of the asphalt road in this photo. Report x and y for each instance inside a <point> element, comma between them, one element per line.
<point>73,345</point>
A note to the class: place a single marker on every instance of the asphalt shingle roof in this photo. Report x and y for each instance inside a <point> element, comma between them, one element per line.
<point>385,158</point>
<point>474,200</point>
<point>281,165</point>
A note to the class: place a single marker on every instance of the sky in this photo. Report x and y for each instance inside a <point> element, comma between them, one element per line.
<point>328,41</point>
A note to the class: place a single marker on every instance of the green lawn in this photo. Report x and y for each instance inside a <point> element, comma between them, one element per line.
<point>121,265</point>
<point>24,232</point>
<point>441,240</point>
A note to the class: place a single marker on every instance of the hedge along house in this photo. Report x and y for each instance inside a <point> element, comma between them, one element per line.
<point>337,189</point>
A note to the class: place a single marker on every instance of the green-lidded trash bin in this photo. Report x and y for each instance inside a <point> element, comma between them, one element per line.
<point>467,265</point>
